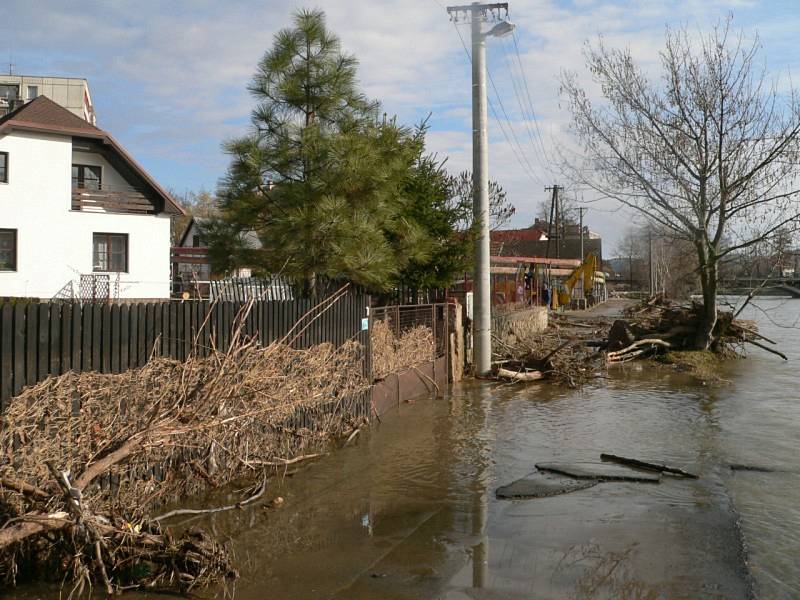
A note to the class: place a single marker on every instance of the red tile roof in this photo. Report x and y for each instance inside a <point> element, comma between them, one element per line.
<point>530,234</point>
<point>44,115</point>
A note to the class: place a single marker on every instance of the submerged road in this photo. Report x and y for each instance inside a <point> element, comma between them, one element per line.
<point>409,510</point>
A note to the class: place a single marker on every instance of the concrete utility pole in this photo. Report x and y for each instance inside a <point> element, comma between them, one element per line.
<point>582,210</point>
<point>650,259</point>
<point>476,14</point>
<point>553,230</point>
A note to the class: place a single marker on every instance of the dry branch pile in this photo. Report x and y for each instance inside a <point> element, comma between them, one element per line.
<point>391,354</point>
<point>559,354</point>
<point>572,351</point>
<point>86,457</point>
<point>658,325</point>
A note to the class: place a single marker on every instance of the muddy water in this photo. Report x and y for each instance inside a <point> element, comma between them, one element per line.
<point>409,512</point>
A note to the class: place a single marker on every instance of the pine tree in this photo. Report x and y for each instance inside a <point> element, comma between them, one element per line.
<point>320,176</point>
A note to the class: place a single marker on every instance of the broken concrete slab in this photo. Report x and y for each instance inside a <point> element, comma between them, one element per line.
<point>598,472</point>
<point>542,485</point>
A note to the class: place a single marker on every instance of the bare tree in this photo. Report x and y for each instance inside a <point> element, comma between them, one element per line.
<point>707,152</point>
<point>500,208</point>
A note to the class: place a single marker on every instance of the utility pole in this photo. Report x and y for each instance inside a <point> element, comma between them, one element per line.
<point>476,14</point>
<point>650,259</point>
<point>582,210</point>
<point>553,230</point>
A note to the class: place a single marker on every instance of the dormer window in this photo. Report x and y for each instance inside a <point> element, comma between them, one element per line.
<point>86,177</point>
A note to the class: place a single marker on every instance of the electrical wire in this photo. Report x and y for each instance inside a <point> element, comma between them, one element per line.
<point>530,100</point>
<point>537,152</point>
<point>517,150</point>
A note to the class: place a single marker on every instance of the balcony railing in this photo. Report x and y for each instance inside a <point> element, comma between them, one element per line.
<point>112,199</point>
<point>190,255</point>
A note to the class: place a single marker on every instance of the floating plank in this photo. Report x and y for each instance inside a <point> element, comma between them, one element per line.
<point>542,485</point>
<point>598,471</point>
<point>648,466</point>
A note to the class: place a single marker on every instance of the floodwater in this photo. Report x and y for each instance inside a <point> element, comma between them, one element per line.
<point>409,512</point>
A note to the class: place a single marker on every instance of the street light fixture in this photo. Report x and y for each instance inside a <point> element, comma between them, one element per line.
<point>502,29</point>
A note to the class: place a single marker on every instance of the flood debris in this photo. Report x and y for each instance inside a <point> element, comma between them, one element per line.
<point>752,468</point>
<point>542,485</point>
<point>597,472</point>
<point>648,466</point>
<point>669,325</point>
<point>560,354</point>
<point>393,353</point>
<point>574,351</point>
<point>87,460</point>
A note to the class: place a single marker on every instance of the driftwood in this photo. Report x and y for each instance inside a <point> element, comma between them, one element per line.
<point>520,375</point>
<point>768,349</point>
<point>352,436</point>
<point>648,466</point>
<point>282,462</point>
<point>619,355</point>
<point>747,331</point>
<point>261,490</point>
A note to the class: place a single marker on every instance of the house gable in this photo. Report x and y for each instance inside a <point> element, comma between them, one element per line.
<point>42,115</point>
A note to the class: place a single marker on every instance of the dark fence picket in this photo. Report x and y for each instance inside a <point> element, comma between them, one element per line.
<point>124,338</point>
<point>54,341</point>
<point>114,340</point>
<point>20,338</point>
<point>66,339</point>
<point>31,326</point>
<point>77,332</point>
<point>6,352</point>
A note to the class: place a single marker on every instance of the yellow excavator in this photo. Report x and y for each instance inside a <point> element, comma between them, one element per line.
<point>587,268</point>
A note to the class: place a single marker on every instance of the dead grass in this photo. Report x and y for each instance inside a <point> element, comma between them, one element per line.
<point>392,355</point>
<point>703,365</point>
<point>93,454</point>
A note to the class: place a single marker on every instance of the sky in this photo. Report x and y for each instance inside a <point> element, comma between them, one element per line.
<point>169,79</point>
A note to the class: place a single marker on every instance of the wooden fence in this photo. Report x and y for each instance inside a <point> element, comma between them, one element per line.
<point>38,340</point>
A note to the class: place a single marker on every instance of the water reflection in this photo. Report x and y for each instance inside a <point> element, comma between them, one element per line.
<point>605,575</point>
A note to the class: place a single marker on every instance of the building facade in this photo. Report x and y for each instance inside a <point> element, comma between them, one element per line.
<point>79,217</point>
<point>71,93</point>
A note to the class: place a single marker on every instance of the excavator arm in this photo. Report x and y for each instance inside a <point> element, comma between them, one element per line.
<point>587,268</point>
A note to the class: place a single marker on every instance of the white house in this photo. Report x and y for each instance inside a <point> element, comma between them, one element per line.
<point>78,216</point>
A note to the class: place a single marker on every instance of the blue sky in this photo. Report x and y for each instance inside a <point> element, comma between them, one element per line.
<point>169,79</point>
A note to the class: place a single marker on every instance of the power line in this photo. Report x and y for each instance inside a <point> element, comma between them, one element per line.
<point>530,99</point>
<point>518,151</point>
<point>525,116</point>
<point>511,127</point>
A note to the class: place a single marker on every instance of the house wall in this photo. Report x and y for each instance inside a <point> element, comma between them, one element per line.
<point>110,178</point>
<point>54,243</point>
<point>193,231</point>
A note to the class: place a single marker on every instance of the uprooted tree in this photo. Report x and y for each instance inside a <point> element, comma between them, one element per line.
<point>707,151</point>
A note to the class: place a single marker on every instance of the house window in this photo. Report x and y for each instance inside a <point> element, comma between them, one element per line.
<point>110,252</point>
<point>9,92</point>
<point>87,177</point>
<point>195,241</point>
<point>3,167</point>
<point>8,249</point>
<point>33,92</point>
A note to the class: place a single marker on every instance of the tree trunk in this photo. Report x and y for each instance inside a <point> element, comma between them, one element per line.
<point>708,282</point>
